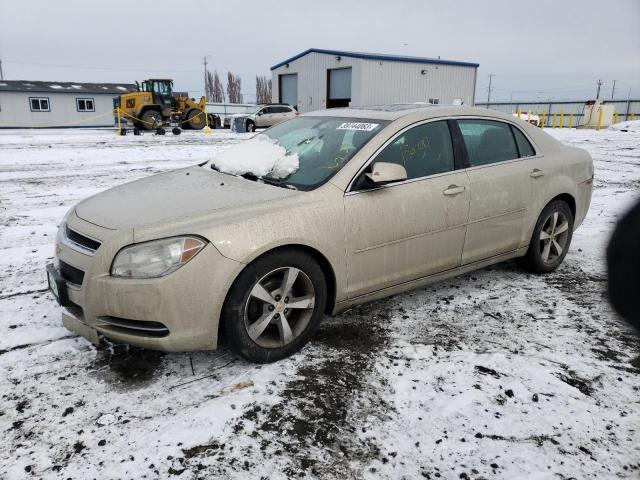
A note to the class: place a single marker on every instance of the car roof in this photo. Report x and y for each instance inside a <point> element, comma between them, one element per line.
<point>396,111</point>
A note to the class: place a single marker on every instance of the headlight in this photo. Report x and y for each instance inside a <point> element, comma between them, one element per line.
<point>155,259</point>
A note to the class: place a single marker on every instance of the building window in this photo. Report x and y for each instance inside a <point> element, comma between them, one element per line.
<point>434,101</point>
<point>39,104</point>
<point>85,105</point>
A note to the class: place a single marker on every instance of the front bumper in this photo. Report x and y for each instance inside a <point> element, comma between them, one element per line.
<point>179,312</point>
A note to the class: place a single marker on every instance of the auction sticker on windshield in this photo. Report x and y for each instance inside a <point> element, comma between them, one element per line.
<point>365,127</point>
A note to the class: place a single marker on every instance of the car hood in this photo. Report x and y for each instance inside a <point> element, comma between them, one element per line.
<point>176,196</point>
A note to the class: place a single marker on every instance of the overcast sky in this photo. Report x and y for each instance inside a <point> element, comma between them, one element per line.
<point>537,49</point>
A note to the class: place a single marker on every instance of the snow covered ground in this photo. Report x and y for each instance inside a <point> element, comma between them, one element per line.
<point>496,374</point>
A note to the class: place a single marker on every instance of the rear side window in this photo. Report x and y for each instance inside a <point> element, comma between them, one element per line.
<point>423,150</point>
<point>524,147</point>
<point>488,141</point>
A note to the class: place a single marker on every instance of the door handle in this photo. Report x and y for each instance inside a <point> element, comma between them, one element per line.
<point>536,172</point>
<point>454,190</point>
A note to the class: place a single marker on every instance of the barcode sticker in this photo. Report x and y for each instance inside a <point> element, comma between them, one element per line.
<point>365,127</point>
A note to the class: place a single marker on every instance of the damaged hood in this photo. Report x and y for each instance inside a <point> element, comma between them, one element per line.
<point>177,196</point>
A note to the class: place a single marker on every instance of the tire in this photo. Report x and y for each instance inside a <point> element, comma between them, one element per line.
<point>176,131</point>
<point>213,122</point>
<point>195,119</point>
<point>550,240</point>
<point>251,127</point>
<point>255,307</point>
<point>151,119</point>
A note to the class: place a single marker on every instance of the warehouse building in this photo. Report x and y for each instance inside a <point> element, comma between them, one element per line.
<point>36,104</point>
<point>317,79</point>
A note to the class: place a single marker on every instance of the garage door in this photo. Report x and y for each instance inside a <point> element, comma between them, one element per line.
<point>339,88</point>
<point>289,89</point>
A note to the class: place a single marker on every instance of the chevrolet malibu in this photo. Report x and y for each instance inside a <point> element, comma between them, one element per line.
<point>313,216</point>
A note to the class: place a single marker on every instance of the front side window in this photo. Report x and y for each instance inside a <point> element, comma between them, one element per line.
<point>488,141</point>
<point>85,105</point>
<point>38,104</point>
<point>423,150</point>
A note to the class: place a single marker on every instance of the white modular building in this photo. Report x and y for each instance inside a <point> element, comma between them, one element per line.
<point>316,79</point>
<point>37,104</point>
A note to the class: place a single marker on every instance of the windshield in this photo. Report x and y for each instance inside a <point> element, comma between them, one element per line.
<point>303,152</point>
<point>323,145</point>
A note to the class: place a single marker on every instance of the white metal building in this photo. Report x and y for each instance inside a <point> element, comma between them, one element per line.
<point>317,79</point>
<point>29,104</point>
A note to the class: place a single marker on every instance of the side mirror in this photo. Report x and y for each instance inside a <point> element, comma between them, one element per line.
<point>261,112</point>
<point>384,172</point>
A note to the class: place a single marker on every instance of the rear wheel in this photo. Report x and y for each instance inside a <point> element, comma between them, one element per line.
<point>274,306</point>
<point>151,119</point>
<point>195,119</point>
<point>251,127</point>
<point>551,238</point>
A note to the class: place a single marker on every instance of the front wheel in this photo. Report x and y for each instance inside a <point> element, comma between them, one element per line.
<point>151,119</point>
<point>274,306</point>
<point>251,127</point>
<point>551,238</point>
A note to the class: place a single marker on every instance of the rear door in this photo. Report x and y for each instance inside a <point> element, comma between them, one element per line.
<point>406,230</point>
<point>500,189</point>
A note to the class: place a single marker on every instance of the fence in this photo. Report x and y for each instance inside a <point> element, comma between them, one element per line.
<point>625,109</point>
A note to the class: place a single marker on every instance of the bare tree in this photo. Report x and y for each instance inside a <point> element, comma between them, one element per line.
<point>234,88</point>
<point>209,87</point>
<point>263,90</point>
<point>218,89</point>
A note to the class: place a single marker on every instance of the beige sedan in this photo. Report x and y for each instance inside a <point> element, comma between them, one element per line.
<point>364,203</point>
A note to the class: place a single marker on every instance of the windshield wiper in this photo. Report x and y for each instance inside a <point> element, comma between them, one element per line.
<point>277,183</point>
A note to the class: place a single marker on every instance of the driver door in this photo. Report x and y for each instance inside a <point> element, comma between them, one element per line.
<point>410,229</point>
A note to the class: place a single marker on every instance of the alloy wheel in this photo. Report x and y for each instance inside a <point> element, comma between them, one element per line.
<point>279,307</point>
<point>554,237</point>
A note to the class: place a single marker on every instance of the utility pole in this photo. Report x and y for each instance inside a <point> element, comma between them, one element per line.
<point>613,90</point>
<point>598,92</point>
<point>491,75</point>
<point>205,77</point>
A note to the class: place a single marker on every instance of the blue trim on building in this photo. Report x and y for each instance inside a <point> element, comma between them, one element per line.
<point>377,56</point>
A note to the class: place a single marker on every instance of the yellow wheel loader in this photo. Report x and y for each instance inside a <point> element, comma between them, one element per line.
<point>155,105</point>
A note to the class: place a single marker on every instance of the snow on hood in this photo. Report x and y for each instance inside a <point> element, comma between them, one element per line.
<point>628,126</point>
<point>260,155</point>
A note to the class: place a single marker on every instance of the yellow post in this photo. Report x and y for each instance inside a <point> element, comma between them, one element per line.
<point>599,119</point>
<point>571,120</point>
<point>561,118</point>
<point>518,113</point>
<point>207,130</point>
<point>555,116</point>
<point>544,114</point>
<point>632,116</point>
<point>118,120</point>
<point>615,117</point>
